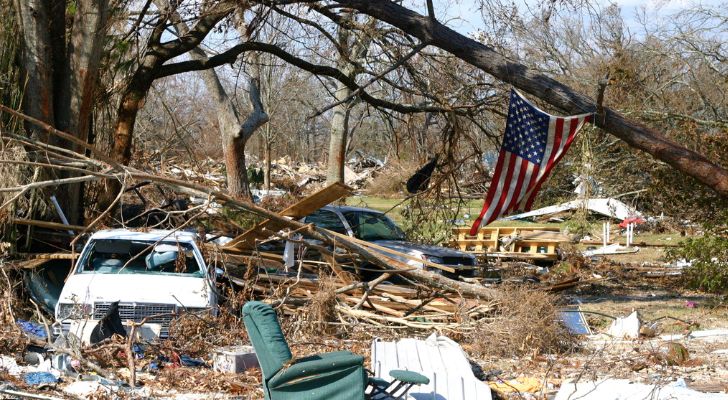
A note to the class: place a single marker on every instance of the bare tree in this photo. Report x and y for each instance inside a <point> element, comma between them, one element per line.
<point>234,131</point>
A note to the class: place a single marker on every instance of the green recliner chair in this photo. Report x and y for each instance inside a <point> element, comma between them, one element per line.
<point>336,375</point>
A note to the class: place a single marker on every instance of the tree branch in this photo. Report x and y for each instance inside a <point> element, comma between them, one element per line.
<point>257,116</point>
<point>232,54</point>
<point>546,88</point>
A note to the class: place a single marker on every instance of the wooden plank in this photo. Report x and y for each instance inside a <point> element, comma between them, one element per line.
<point>47,224</point>
<point>50,256</point>
<point>298,210</point>
<point>390,252</point>
<point>29,264</point>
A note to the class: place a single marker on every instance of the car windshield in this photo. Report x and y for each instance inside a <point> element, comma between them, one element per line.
<point>118,256</point>
<point>373,226</point>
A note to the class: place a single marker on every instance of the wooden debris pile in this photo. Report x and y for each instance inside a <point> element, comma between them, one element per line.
<point>407,304</point>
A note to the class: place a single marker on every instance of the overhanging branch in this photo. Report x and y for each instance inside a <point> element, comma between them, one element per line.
<point>234,52</point>
<point>546,88</point>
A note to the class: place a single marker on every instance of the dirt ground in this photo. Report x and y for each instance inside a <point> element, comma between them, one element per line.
<point>624,284</point>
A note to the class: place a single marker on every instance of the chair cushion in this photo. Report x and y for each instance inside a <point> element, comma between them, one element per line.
<point>266,336</point>
<point>409,377</point>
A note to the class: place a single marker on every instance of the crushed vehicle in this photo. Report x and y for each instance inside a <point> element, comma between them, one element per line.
<point>155,274</point>
<point>376,227</point>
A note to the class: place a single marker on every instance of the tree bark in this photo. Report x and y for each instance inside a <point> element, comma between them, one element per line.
<point>36,60</point>
<point>546,88</point>
<point>339,132</point>
<point>351,50</point>
<point>61,72</point>
<point>268,160</point>
<point>78,88</point>
<point>234,133</point>
<point>132,99</point>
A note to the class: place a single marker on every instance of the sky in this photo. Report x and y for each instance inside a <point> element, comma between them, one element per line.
<point>464,15</point>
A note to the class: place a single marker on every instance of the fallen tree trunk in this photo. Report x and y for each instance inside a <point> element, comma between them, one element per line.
<point>635,134</point>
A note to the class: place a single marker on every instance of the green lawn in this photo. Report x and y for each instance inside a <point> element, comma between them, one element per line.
<point>472,209</point>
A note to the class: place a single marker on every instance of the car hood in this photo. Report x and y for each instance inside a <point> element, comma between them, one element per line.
<point>408,247</point>
<point>186,291</point>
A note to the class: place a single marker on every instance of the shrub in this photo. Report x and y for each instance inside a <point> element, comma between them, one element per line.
<point>525,322</point>
<point>709,262</point>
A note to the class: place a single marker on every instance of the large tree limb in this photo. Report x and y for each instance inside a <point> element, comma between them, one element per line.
<point>232,54</point>
<point>546,88</point>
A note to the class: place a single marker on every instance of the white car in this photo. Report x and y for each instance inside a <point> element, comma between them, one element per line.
<point>155,273</point>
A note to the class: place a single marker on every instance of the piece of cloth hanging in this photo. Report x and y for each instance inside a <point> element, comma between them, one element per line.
<point>421,179</point>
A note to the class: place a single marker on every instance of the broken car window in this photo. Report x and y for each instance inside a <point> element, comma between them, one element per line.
<point>373,226</point>
<point>111,256</point>
<point>327,220</point>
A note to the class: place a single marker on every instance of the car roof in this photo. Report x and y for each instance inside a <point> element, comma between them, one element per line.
<point>350,208</point>
<point>150,235</point>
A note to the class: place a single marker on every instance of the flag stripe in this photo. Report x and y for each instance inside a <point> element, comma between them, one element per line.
<point>489,197</point>
<point>505,177</point>
<point>517,166</point>
<point>526,168</point>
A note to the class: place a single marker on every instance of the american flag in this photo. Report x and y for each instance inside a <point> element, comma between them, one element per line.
<point>534,142</point>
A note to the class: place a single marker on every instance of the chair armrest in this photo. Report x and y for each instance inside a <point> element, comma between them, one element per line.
<point>323,356</point>
<point>409,377</point>
<point>313,368</point>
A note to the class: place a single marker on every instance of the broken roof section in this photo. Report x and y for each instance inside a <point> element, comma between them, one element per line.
<point>609,207</point>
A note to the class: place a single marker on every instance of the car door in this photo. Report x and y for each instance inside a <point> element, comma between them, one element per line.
<point>327,219</point>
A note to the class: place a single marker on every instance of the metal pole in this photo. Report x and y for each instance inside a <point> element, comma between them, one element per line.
<point>60,212</point>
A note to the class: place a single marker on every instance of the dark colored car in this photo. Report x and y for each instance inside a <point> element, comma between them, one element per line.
<point>375,227</point>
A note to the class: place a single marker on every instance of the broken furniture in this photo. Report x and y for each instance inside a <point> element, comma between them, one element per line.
<point>530,243</point>
<point>336,375</point>
<point>438,358</point>
<point>609,207</point>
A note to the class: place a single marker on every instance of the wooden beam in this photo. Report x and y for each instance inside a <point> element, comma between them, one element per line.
<point>298,210</point>
<point>47,224</point>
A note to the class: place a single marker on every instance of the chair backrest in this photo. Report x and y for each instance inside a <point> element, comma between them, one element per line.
<point>266,336</point>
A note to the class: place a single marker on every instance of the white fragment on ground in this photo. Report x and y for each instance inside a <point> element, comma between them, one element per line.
<point>623,389</point>
<point>627,327</point>
<point>9,364</point>
<point>440,359</point>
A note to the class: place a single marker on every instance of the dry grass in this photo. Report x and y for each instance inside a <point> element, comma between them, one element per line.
<point>320,310</point>
<point>198,335</point>
<point>12,340</point>
<point>525,322</point>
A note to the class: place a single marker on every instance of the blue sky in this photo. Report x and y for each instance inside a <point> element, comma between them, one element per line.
<point>464,15</point>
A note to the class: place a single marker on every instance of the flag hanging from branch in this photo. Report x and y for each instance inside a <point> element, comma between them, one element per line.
<point>533,143</point>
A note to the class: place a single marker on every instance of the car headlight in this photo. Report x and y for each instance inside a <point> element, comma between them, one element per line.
<point>73,311</point>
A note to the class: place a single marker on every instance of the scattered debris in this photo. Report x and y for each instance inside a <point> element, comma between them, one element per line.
<point>612,208</point>
<point>625,328</point>
<point>622,389</point>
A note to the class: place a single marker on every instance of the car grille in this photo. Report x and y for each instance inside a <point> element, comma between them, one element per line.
<point>138,311</point>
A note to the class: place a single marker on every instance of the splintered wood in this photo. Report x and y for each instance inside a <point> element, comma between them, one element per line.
<point>377,302</point>
<point>298,210</point>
